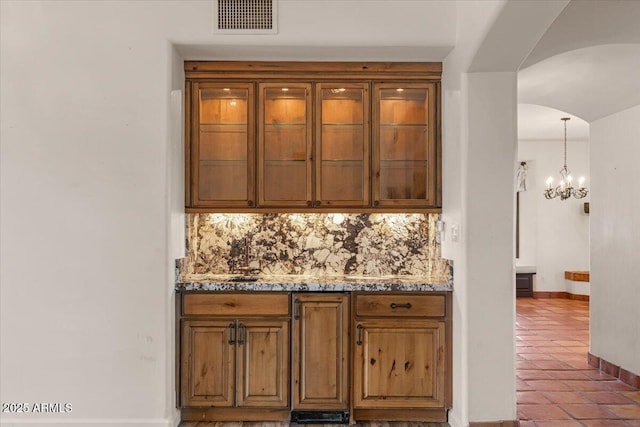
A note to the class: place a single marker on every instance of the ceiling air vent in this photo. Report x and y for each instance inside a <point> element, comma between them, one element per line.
<point>246,16</point>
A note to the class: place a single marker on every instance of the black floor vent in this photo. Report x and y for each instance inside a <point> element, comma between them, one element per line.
<point>320,417</point>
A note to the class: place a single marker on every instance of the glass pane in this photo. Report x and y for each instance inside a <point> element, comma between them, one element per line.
<point>284,136</point>
<point>223,105</point>
<point>285,142</point>
<point>342,144</point>
<point>223,144</point>
<point>342,180</point>
<point>222,180</point>
<point>285,180</point>
<point>403,106</point>
<point>403,142</point>
<point>342,106</point>
<point>285,106</point>
<point>403,179</point>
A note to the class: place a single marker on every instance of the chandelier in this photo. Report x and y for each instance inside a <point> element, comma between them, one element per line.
<point>565,189</point>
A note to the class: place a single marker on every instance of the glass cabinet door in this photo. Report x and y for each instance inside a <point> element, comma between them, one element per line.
<point>404,153</point>
<point>284,144</point>
<point>222,145</point>
<point>342,144</point>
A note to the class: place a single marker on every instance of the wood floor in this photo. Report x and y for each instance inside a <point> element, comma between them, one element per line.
<point>281,424</point>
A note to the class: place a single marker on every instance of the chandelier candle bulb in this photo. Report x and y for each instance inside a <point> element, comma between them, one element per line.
<point>549,182</point>
<point>581,182</point>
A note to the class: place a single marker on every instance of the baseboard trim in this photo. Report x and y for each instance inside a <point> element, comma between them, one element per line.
<point>609,368</point>
<point>400,414</point>
<point>235,414</point>
<point>564,295</point>
<point>494,424</point>
<point>101,422</point>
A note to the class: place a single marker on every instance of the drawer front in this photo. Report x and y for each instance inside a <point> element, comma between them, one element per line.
<point>235,304</point>
<point>401,305</point>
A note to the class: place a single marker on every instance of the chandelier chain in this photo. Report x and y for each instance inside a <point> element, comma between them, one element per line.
<point>565,142</point>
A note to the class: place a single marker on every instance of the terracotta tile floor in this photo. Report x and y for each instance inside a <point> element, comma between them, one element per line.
<point>555,385</point>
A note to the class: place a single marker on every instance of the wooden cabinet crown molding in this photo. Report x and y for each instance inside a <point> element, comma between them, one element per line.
<point>290,69</point>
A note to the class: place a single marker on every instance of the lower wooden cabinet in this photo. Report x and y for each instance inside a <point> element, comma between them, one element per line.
<point>262,372</point>
<point>238,363</point>
<point>402,365</point>
<point>270,356</point>
<point>208,363</point>
<point>321,351</point>
<point>399,364</point>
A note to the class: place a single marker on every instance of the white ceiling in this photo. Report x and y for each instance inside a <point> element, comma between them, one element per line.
<point>588,23</point>
<point>536,122</point>
<point>592,82</point>
<point>587,64</point>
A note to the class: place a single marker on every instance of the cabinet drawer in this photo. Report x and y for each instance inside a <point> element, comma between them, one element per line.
<point>221,304</point>
<point>400,305</point>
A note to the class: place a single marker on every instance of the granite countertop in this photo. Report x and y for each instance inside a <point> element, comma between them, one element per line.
<point>296,283</point>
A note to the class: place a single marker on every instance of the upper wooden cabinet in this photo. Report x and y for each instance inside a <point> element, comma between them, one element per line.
<point>312,136</point>
<point>284,144</point>
<point>404,148</point>
<point>342,144</point>
<point>222,144</point>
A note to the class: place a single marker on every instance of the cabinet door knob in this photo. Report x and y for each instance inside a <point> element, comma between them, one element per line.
<point>250,203</point>
<point>393,305</point>
<point>309,203</point>
<point>359,335</point>
<point>376,203</point>
<point>316,203</point>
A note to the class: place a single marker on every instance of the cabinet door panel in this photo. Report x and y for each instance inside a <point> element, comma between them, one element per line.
<point>263,363</point>
<point>404,145</point>
<point>399,364</point>
<point>321,352</point>
<point>208,363</point>
<point>222,144</point>
<point>342,144</point>
<point>284,144</point>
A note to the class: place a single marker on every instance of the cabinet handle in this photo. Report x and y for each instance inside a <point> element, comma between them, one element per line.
<point>394,305</point>
<point>309,203</point>
<point>316,203</point>
<point>231,333</point>
<point>250,202</point>
<point>376,203</point>
<point>296,310</point>
<point>242,333</point>
<point>359,335</point>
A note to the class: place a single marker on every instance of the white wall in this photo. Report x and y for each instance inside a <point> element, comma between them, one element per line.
<point>615,239</point>
<point>554,233</point>
<point>478,154</point>
<point>89,197</point>
<point>91,183</point>
<point>489,237</point>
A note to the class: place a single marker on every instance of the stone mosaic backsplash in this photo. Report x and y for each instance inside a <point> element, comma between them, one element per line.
<point>314,244</point>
